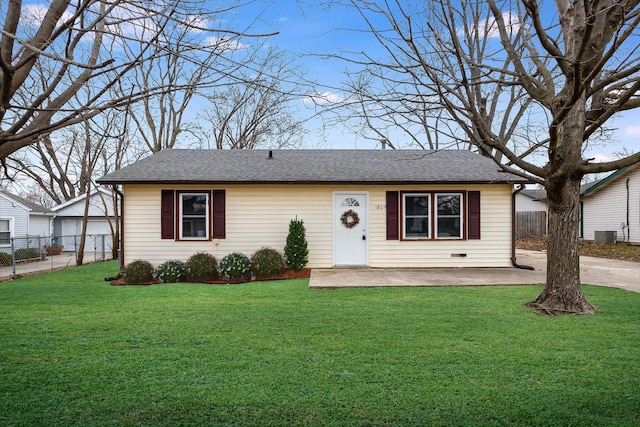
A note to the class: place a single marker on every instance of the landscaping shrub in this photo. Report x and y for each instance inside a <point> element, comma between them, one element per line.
<point>170,272</point>
<point>295,251</point>
<point>201,267</point>
<point>5,259</point>
<point>27,253</point>
<point>267,262</point>
<point>234,266</point>
<point>138,272</point>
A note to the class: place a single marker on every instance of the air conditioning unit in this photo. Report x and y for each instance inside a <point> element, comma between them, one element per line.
<point>605,236</point>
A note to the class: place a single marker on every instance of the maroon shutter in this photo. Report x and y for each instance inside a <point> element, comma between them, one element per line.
<point>473,199</point>
<point>392,215</point>
<point>167,222</point>
<point>218,214</point>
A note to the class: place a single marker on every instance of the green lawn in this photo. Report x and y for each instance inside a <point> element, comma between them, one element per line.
<point>76,351</point>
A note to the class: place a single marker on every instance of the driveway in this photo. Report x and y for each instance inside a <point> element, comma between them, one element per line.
<point>593,271</point>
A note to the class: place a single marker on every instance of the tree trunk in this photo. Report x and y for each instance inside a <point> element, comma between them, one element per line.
<point>562,293</point>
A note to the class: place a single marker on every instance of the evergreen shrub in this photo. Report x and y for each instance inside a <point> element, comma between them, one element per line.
<point>138,272</point>
<point>267,262</point>
<point>296,251</point>
<point>170,272</point>
<point>201,267</point>
<point>234,266</point>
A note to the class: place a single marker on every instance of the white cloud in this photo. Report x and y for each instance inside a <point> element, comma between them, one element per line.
<point>224,44</point>
<point>283,19</point>
<point>632,131</point>
<point>600,158</point>
<point>323,98</point>
<point>33,14</point>
<point>196,23</point>
<point>489,27</point>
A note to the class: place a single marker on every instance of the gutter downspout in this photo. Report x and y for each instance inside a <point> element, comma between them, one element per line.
<point>121,242</point>
<point>628,231</point>
<point>513,231</point>
<point>121,251</point>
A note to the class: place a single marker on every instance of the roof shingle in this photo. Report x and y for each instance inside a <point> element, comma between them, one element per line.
<point>312,167</point>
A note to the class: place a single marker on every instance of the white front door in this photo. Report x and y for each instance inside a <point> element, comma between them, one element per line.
<point>350,220</point>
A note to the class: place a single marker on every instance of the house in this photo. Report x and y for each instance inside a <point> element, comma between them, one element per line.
<point>377,208</point>
<point>531,200</point>
<point>69,217</point>
<point>22,219</point>
<point>612,206</point>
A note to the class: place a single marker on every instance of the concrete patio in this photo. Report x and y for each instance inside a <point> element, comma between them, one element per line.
<point>594,271</point>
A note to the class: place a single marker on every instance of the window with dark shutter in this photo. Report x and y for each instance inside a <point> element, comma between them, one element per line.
<point>167,220</point>
<point>473,200</point>
<point>392,215</point>
<point>219,214</point>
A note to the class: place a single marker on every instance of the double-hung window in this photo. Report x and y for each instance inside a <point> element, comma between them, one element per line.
<point>194,215</point>
<point>448,216</point>
<point>432,216</point>
<point>5,232</point>
<point>416,208</point>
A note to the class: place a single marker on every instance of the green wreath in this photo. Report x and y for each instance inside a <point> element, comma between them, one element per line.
<point>350,219</point>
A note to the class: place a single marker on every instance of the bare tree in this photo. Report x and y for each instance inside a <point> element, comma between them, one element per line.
<point>64,165</point>
<point>185,63</point>
<point>49,53</point>
<point>256,109</point>
<point>528,85</point>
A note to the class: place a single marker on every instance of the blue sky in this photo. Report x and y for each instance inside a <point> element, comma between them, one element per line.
<point>318,30</point>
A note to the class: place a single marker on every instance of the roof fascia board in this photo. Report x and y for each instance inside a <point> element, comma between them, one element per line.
<point>605,181</point>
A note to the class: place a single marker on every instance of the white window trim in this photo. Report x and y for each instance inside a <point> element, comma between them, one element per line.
<point>207,215</point>
<point>404,216</point>
<point>461,216</point>
<point>7,245</point>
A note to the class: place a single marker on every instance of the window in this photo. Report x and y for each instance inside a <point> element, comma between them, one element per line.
<point>441,211</point>
<point>194,215</point>
<point>189,215</point>
<point>5,232</point>
<point>416,216</point>
<point>448,216</point>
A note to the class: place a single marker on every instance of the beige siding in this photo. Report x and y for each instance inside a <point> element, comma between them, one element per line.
<point>606,208</point>
<point>259,216</point>
<point>492,250</point>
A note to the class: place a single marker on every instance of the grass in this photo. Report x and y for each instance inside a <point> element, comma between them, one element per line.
<point>76,351</point>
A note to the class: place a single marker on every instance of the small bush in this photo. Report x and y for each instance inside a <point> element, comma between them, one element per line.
<point>267,262</point>
<point>296,251</point>
<point>5,259</point>
<point>27,253</point>
<point>234,266</point>
<point>170,272</point>
<point>201,267</point>
<point>138,272</point>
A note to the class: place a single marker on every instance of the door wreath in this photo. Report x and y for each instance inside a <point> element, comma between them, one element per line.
<point>350,219</point>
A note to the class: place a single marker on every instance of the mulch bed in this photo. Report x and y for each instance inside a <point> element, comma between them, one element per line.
<point>305,273</point>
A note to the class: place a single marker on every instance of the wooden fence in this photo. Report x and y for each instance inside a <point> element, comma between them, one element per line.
<point>531,224</point>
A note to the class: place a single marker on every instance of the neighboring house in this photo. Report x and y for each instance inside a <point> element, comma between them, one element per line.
<point>531,200</point>
<point>413,208</point>
<point>613,205</point>
<point>21,218</point>
<point>69,216</point>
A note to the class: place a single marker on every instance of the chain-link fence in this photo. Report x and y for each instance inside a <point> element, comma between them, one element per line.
<point>25,255</point>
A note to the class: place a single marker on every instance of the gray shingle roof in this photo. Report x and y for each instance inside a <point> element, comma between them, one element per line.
<point>33,206</point>
<point>311,167</point>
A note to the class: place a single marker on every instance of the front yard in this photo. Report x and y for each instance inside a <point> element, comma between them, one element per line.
<point>76,351</point>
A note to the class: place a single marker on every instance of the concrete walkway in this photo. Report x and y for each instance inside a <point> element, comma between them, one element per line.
<point>594,271</point>
<point>51,263</point>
